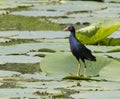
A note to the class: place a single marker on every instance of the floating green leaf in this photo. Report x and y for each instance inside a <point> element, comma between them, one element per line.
<point>110,41</point>
<point>46,50</point>
<point>111,71</point>
<point>97,31</point>
<point>114,50</point>
<point>63,64</point>
<point>80,78</point>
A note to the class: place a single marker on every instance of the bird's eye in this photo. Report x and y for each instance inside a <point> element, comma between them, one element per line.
<point>69,28</point>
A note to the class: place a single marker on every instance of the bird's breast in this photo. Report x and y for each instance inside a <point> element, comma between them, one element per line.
<point>73,44</point>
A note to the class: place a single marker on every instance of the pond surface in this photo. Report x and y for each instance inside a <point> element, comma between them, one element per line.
<point>22,52</point>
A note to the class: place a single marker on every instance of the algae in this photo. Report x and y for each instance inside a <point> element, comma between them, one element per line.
<point>14,22</point>
<point>10,84</point>
<point>17,41</point>
<point>40,55</point>
<point>18,8</point>
<point>17,54</point>
<point>46,50</point>
<point>21,67</point>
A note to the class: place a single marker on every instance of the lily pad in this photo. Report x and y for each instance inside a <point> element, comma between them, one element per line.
<point>98,95</point>
<point>80,78</point>
<point>111,71</point>
<point>113,55</point>
<point>61,64</point>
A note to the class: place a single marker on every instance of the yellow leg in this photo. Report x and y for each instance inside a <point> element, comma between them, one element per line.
<point>85,70</point>
<point>78,73</point>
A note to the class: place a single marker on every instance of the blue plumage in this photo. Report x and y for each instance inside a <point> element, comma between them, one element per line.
<point>78,49</point>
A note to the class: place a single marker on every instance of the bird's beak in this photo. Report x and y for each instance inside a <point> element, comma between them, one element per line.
<point>66,29</point>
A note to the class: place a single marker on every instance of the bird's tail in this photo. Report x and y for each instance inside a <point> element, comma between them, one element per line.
<point>92,58</point>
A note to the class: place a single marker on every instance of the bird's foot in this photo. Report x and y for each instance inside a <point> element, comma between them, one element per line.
<point>71,73</point>
<point>78,74</point>
<point>85,75</point>
<point>85,72</point>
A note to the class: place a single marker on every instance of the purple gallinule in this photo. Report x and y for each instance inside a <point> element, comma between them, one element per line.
<point>79,50</point>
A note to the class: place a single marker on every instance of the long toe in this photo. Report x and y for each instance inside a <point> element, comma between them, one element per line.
<point>78,74</point>
<point>85,75</point>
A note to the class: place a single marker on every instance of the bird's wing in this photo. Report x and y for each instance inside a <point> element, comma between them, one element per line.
<point>83,49</point>
<point>84,52</point>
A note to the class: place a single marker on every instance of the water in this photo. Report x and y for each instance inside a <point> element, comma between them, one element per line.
<point>15,84</point>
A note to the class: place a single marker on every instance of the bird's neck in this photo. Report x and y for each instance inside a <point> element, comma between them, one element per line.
<point>72,33</point>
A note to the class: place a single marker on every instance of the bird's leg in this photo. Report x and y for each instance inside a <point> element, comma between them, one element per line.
<point>78,73</point>
<point>85,70</point>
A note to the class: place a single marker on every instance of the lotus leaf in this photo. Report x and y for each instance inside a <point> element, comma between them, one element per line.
<point>111,71</point>
<point>97,31</point>
<point>63,64</point>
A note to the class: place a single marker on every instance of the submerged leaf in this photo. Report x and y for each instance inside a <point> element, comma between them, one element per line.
<point>114,50</point>
<point>97,31</point>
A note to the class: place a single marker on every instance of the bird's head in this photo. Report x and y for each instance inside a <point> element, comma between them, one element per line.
<point>70,28</point>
